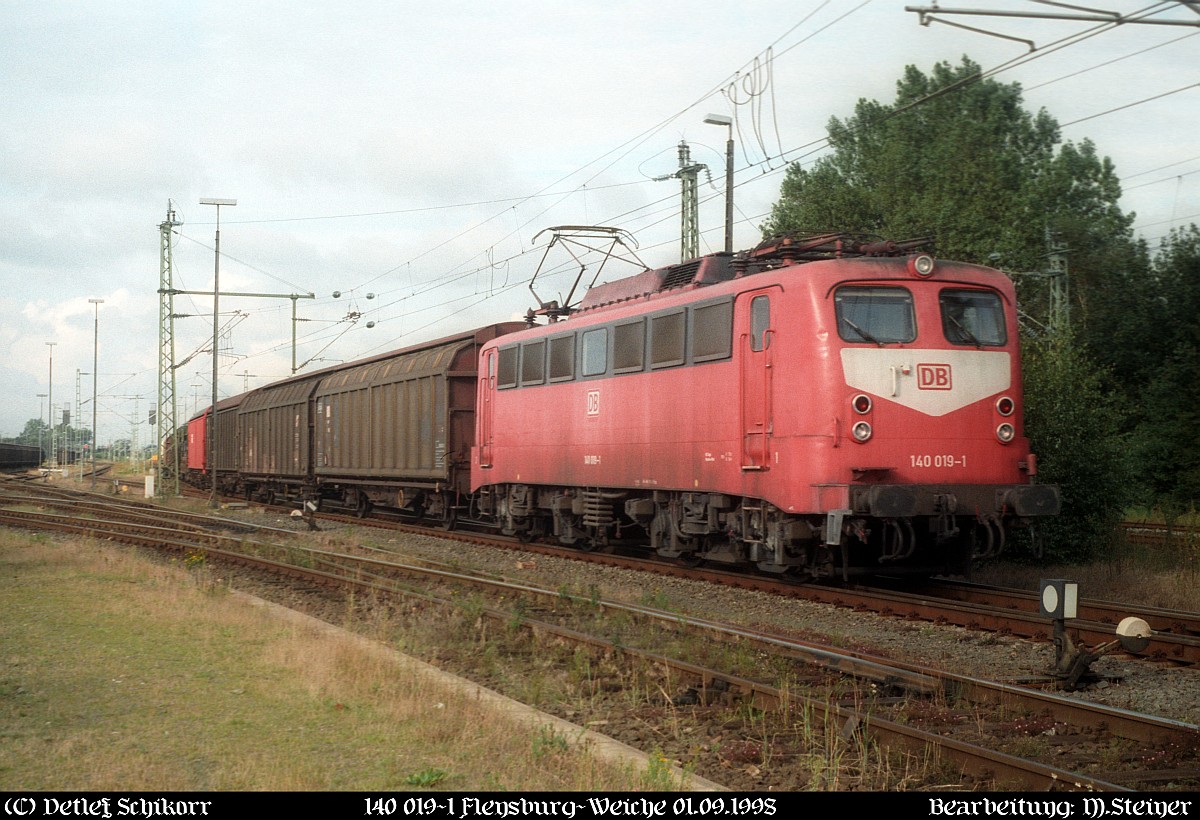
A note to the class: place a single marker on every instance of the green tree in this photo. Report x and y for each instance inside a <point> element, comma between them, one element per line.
<point>37,432</point>
<point>1080,445</point>
<point>1167,388</point>
<point>958,158</point>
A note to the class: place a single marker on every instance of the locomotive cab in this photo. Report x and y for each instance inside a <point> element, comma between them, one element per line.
<point>938,414</point>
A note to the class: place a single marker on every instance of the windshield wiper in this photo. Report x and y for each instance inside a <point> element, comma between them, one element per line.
<point>968,335</point>
<point>866,336</point>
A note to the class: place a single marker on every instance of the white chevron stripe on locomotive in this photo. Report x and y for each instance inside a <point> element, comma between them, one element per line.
<point>933,382</point>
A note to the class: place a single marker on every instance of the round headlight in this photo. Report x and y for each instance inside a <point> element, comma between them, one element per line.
<point>862,404</point>
<point>921,265</point>
<point>1005,406</point>
<point>861,431</point>
<point>1005,433</point>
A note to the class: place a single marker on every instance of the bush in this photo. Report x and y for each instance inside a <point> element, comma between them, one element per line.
<point>1074,423</point>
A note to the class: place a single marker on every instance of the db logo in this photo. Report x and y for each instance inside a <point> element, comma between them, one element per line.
<point>593,403</point>
<point>933,377</point>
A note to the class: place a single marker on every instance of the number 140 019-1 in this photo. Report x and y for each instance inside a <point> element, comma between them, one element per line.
<point>939,460</point>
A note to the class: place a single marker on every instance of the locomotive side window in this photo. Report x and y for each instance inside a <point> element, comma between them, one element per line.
<point>712,332</point>
<point>595,351</point>
<point>629,346</point>
<point>876,315</point>
<point>533,363</point>
<point>760,322</point>
<point>562,358</point>
<point>973,317</point>
<point>666,339</point>
<point>507,373</point>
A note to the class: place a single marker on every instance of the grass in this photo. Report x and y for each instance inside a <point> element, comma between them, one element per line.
<point>123,673</point>
<point>1167,577</point>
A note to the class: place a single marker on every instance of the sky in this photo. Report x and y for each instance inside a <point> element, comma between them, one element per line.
<point>410,157</point>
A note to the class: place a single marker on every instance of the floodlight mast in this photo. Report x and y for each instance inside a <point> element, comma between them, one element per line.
<point>170,292</point>
<point>724,119</point>
<point>95,370</point>
<point>211,432</point>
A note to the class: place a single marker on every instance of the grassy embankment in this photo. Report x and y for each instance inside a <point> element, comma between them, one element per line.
<point>118,672</point>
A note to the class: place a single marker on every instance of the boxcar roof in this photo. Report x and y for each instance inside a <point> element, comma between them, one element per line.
<point>430,361</point>
<point>297,389</point>
<point>231,403</point>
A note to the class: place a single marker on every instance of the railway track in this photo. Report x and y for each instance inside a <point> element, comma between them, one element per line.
<point>1160,535</point>
<point>982,729</point>
<point>1175,637</point>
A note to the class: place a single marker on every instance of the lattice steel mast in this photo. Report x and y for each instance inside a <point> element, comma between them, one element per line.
<point>168,473</point>
<point>690,211</point>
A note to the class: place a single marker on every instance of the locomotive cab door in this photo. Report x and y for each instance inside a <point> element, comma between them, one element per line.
<point>756,336</point>
<point>487,404</point>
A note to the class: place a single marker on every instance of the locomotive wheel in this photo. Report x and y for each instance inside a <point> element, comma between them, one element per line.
<point>800,575</point>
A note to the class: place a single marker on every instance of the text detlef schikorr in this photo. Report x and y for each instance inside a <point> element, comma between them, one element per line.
<point>105,807</point>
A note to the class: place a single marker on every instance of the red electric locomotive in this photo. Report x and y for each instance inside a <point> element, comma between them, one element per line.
<point>818,406</point>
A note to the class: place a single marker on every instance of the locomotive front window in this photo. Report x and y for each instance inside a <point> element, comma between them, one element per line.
<point>973,317</point>
<point>876,315</point>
